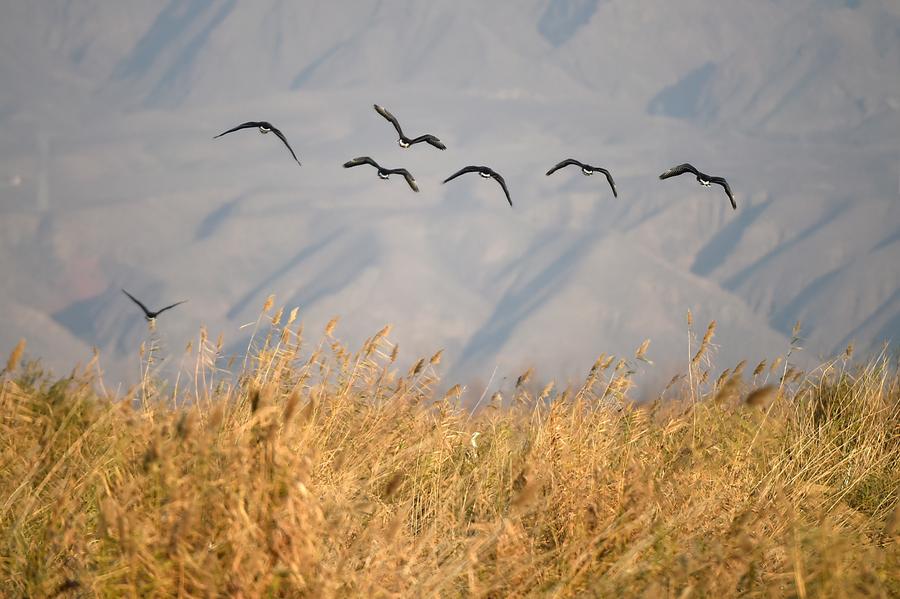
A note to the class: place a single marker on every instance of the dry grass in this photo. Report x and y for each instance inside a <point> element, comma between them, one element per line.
<point>324,473</point>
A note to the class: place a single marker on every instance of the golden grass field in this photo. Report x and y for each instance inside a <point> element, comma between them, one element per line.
<point>317,472</point>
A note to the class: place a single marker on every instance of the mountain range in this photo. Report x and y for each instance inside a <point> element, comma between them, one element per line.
<point>109,176</point>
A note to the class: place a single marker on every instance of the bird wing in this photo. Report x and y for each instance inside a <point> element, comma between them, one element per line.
<point>608,178</point>
<point>359,161</point>
<point>170,307</point>
<point>721,181</point>
<point>502,182</point>
<point>393,120</point>
<point>247,125</point>
<point>138,302</point>
<point>560,165</point>
<point>679,170</point>
<point>429,139</point>
<point>463,171</point>
<point>284,140</point>
<point>406,175</point>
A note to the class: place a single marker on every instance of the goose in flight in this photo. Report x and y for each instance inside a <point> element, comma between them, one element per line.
<point>702,178</point>
<point>485,172</point>
<point>587,170</point>
<point>147,313</point>
<point>384,173</point>
<point>264,127</point>
<point>404,141</point>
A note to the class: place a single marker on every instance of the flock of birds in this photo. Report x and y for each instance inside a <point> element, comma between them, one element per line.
<point>265,127</point>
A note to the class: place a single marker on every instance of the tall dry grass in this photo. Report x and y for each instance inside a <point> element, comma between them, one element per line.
<point>323,472</point>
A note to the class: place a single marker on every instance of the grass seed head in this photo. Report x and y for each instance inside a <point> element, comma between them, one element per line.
<point>15,356</point>
<point>775,364</point>
<point>329,328</point>
<point>524,378</point>
<point>641,353</point>
<point>759,398</point>
<point>417,367</point>
<point>453,392</point>
<point>704,345</point>
<point>548,388</point>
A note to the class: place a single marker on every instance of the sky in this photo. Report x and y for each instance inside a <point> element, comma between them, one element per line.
<point>110,178</point>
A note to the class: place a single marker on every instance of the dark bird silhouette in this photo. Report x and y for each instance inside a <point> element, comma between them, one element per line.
<point>702,178</point>
<point>384,173</point>
<point>264,127</point>
<point>587,170</point>
<point>147,313</point>
<point>485,172</point>
<point>404,141</point>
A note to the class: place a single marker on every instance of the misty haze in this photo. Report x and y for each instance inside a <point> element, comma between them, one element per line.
<point>110,177</point>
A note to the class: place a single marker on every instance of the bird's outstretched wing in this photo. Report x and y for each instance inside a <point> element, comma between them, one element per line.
<point>502,183</point>
<point>609,178</point>
<point>391,118</point>
<point>721,181</point>
<point>565,162</point>
<point>138,302</point>
<point>169,307</point>
<point>360,160</point>
<point>247,125</point>
<point>406,175</point>
<point>679,170</point>
<point>430,140</point>
<point>284,140</point>
<point>463,171</point>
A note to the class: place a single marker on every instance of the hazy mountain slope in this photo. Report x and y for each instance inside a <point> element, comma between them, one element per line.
<point>109,177</point>
<point>826,69</point>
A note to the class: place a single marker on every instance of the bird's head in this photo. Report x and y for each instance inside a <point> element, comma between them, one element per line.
<point>485,174</point>
<point>403,143</point>
<point>264,130</point>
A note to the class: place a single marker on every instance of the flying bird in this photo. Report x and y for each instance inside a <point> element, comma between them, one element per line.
<point>702,178</point>
<point>404,141</point>
<point>384,173</point>
<point>587,170</point>
<point>147,313</point>
<point>264,127</point>
<point>485,172</point>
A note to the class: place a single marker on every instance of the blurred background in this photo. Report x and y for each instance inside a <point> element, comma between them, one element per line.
<point>109,176</point>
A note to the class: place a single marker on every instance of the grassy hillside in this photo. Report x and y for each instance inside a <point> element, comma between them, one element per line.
<point>319,472</point>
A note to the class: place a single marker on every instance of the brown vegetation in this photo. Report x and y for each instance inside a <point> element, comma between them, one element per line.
<point>330,473</point>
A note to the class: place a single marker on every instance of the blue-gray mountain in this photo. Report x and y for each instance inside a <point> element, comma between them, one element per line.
<point>108,177</point>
